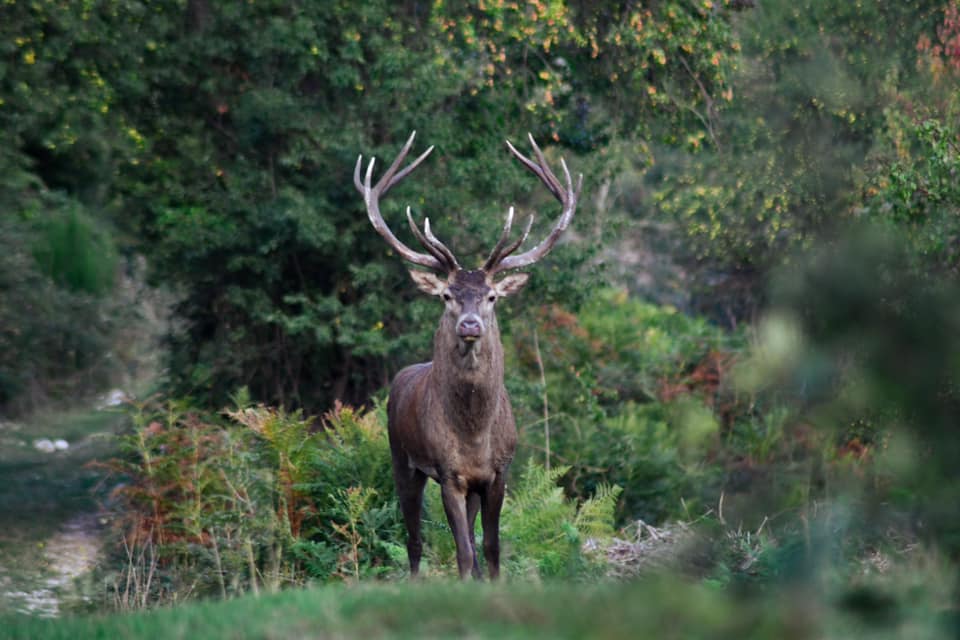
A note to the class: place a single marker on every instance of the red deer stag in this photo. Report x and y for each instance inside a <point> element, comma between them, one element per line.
<point>450,419</point>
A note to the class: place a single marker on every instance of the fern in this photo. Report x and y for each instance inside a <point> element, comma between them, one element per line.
<point>596,515</point>
<point>544,529</point>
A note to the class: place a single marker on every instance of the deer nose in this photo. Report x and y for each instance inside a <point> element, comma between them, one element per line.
<point>470,327</point>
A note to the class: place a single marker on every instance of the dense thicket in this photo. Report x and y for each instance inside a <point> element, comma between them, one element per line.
<point>822,89</point>
<point>219,142</point>
<point>218,139</point>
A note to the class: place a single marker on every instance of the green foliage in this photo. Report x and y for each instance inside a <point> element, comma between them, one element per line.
<point>60,312</point>
<point>874,341</point>
<point>349,470</point>
<point>57,339</point>
<point>353,452</point>
<point>351,505</point>
<point>911,185</point>
<point>544,530</point>
<point>75,255</point>
<point>650,462</point>
<point>812,89</point>
<point>229,167</point>
<point>636,394</point>
<point>601,72</point>
<point>263,500</point>
<point>622,349</point>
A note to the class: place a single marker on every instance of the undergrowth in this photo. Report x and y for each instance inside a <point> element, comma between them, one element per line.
<point>256,499</point>
<point>681,436</point>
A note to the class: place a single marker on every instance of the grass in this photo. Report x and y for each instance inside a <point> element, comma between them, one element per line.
<point>39,492</point>
<point>913,598</point>
<point>431,610</point>
<point>662,608</point>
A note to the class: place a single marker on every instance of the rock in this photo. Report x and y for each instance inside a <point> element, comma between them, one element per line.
<point>61,444</point>
<point>114,398</point>
<point>44,445</point>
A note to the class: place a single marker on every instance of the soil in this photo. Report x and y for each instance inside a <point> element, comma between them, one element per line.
<point>50,531</point>
<point>68,555</point>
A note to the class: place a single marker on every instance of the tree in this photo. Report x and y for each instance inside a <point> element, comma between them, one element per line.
<point>63,146</point>
<point>781,172</point>
<point>910,181</point>
<point>220,138</point>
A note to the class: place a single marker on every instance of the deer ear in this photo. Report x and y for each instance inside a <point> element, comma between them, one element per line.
<point>511,284</point>
<point>428,282</point>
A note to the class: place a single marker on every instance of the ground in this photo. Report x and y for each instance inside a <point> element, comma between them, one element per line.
<point>49,505</point>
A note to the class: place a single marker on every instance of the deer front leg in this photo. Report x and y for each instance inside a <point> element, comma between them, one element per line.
<point>454,496</point>
<point>473,508</point>
<point>491,502</point>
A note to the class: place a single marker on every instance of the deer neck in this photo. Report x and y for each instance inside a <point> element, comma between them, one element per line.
<point>469,378</point>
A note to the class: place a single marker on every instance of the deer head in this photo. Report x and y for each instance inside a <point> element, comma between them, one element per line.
<point>469,296</point>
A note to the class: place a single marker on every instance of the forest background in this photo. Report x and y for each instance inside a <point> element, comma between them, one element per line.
<point>745,342</point>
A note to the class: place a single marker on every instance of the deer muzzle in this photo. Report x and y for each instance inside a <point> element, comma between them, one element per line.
<point>469,327</point>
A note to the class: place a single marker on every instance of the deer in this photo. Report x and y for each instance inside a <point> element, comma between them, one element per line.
<point>450,419</point>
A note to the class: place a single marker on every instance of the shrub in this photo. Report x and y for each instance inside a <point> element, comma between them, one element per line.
<point>544,530</point>
<point>350,474</point>
<point>260,498</point>
<point>254,498</point>
<point>61,320</point>
<point>74,253</point>
<point>637,394</point>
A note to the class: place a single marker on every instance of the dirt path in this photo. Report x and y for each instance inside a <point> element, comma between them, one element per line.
<point>69,554</point>
<point>49,529</point>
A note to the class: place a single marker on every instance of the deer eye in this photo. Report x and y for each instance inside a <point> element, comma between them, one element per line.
<point>447,297</point>
<point>492,297</point>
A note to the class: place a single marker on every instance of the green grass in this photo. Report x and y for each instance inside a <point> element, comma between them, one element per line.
<point>658,608</point>
<point>50,485</point>
<point>429,610</point>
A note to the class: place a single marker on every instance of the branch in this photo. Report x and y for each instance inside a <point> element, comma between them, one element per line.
<point>707,99</point>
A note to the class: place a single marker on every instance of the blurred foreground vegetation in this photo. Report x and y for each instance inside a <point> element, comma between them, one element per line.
<point>738,371</point>
<point>513,611</point>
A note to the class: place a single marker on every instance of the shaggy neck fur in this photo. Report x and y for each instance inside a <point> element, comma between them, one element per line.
<point>470,375</point>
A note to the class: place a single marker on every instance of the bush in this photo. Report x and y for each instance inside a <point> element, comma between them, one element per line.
<point>637,393</point>
<point>60,320</point>
<point>254,498</point>
<point>261,498</point>
<point>544,530</point>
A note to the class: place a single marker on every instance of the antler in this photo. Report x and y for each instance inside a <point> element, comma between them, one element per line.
<point>440,258</point>
<point>500,258</point>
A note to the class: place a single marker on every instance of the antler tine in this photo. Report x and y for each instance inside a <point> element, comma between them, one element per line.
<point>432,244</point>
<point>524,160</point>
<point>519,241</point>
<point>356,172</point>
<point>439,246</point>
<point>546,174</point>
<point>428,245</point>
<point>406,171</point>
<point>439,260</point>
<point>538,169</point>
<point>567,196</point>
<point>383,184</point>
<point>497,248</point>
<point>502,249</point>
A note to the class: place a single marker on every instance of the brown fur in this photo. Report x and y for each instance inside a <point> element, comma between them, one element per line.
<point>450,420</point>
